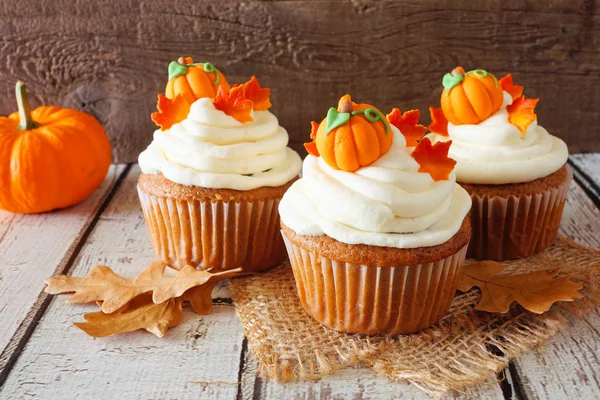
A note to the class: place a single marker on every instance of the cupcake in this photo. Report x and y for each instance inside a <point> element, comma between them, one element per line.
<point>514,170</point>
<point>376,228</point>
<point>214,174</point>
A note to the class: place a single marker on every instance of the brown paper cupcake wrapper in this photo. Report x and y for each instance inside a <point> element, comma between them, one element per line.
<point>507,228</point>
<point>214,236</point>
<point>366,299</point>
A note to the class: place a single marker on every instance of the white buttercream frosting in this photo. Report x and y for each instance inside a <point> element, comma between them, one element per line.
<point>214,150</point>
<point>388,203</point>
<point>496,152</point>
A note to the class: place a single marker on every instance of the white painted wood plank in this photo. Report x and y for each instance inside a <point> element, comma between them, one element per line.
<point>568,366</point>
<point>590,164</point>
<point>60,361</point>
<point>31,248</point>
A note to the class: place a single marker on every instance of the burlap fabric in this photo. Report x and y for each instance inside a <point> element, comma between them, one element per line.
<point>464,349</point>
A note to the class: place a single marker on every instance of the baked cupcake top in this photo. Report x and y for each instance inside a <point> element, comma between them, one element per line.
<point>495,135</point>
<point>367,181</point>
<point>216,136</point>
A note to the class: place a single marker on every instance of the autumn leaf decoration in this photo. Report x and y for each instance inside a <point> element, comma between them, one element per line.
<point>150,301</point>
<point>170,111</point>
<point>260,97</point>
<point>311,147</point>
<point>408,124</point>
<point>434,159</point>
<point>535,291</point>
<point>439,123</point>
<point>521,112</point>
<point>234,104</point>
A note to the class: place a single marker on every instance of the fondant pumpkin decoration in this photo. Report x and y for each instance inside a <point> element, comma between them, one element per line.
<point>194,80</point>
<point>50,157</point>
<point>351,136</point>
<point>471,97</point>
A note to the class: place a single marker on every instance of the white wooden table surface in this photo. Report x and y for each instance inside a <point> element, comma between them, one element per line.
<point>44,356</point>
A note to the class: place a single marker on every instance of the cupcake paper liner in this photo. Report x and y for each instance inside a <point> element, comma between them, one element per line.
<point>214,236</point>
<point>368,299</point>
<point>506,228</point>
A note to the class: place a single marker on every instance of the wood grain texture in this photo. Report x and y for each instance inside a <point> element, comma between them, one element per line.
<point>33,247</point>
<point>60,360</point>
<point>567,366</point>
<point>110,58</point>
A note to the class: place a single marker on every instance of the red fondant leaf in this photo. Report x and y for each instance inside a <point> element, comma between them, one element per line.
<point>170,111</point>
<point>252,91</point>
<point>521,112</point>
<point>234,104</point>
<point>434,159</point>
<point>508,86</point>
<point>311,147</point>
<point>408,124</point>
<point>439,123</point>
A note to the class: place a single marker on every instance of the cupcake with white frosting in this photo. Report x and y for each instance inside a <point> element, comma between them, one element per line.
<point>514,170</point>
<point>376,228</point>
<point>214,174</point>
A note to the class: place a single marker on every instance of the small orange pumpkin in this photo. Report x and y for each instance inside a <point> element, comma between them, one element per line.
<point>471,97</point>
<point>351,136</point>
<point>194,80</point>
<point>50,158</point>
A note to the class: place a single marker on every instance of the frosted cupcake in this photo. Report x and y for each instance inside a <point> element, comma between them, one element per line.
<point>514,170</point>
<point>376,229</point>
<point>214,174</point>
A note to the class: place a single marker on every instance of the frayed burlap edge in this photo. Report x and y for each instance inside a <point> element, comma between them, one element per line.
<point>464,349</point>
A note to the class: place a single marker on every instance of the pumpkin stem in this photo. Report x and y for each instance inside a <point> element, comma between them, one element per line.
<point>181,60</point>
<point>25,120</point>
<point>346,106</point>
<point>458,71</point>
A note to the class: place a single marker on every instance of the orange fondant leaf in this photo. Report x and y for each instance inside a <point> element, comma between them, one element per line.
<point>434,159</point>
<point>521,112</point>
<point>311,147</point>
<point>439,123</point>
<point>170,111</point>
<point>508,86</point>
<point>234,103</point>
<point>252,91</point>
<point>535,291</point>
<point>408,124</point>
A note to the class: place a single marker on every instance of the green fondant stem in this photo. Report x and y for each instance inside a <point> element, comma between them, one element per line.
<point>25,120</point>
<point>373,115</point>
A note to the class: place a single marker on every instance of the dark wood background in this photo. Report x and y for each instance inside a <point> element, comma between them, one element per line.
<point>110,58</point>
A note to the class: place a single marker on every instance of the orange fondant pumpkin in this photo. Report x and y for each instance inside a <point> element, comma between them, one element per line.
<point>469,98</point>
<point>194,80</point>
<point>352,136</point>
<point>50,158</point>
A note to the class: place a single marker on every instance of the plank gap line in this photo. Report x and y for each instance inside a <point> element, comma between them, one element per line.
<point>17,343</point>
<point>586,183</point>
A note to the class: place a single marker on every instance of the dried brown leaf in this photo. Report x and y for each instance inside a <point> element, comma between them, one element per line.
<point>139,313</point>
<point>103,285</point>
<point>535,291</point>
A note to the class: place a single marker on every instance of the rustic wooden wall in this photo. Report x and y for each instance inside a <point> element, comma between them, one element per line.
<point>109,58</point>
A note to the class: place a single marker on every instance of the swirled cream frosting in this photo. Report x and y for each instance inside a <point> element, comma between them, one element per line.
<point>388,203</point>
<point>213,150</point>
<point>494,151</point>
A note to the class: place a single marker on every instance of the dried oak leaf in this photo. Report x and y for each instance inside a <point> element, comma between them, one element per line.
<point>170,111</point>
<point>234,103</point>
<point>508,86</point>
<point>102,284</point>
<point>408,124</point>
<point>434,159</point>
<point>535,291</point>
<point>521,112</point>
<point>139,313</point>
<point>261,97</point>
<point>311,147</point>
<point>439,123</point>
